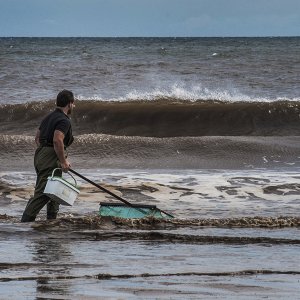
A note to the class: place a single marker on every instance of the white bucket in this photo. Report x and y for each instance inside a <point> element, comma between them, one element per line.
<point>60,190</point>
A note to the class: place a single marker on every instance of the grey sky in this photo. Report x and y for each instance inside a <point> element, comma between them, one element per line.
<point>149,18</point>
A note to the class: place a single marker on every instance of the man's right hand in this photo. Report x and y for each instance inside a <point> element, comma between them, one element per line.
<point>66,166</point>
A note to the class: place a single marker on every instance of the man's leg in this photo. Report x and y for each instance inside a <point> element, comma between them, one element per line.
<point>52,210</point>
<point>34,205</point>
<point>39,200</point>
<point>45,161</point>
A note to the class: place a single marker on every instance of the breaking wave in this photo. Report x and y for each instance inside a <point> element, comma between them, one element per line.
<point>163,117</point>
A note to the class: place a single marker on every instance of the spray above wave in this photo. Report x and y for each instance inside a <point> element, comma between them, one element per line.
<point>163,118</point>
<point>181,92</point>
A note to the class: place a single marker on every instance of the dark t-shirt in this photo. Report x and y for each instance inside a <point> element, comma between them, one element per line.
<point>56,120</point>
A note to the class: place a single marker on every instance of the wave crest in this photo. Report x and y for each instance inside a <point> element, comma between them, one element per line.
<point>163,118</point>
<point>194,93</point>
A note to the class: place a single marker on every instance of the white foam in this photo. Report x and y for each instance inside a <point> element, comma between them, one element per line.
<point>179,91</point>
<point>186,193</point>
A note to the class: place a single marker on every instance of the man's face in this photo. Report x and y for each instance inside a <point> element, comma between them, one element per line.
<point>71,107</point>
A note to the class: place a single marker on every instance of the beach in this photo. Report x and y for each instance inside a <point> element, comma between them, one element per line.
<point>205,129</point>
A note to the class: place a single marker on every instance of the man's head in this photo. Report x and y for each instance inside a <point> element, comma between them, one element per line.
<point>65,99</point>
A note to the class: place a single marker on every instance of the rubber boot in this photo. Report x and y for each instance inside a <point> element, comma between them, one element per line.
<point>52,210</point>
<point>27,218</point>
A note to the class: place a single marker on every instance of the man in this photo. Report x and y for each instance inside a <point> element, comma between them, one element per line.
<point>52,138</point>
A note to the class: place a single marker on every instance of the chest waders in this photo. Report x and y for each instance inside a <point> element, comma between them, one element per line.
<point>45,160</point>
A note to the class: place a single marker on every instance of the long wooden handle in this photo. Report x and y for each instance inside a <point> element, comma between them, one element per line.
<point>114,195</point>
<point>102,188</point>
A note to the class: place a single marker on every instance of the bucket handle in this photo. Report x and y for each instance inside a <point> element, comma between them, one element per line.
<point>68,173</point>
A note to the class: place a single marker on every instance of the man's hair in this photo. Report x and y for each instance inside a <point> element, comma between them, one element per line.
<point>64,98</point>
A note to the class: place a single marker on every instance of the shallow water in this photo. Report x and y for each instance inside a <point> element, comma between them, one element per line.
<point>60,263</point>
<point>235,236</point>
<point>185,193</point>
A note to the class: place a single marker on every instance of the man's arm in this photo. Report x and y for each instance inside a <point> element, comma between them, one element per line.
<point>58,144</point>
<point>37,138</point>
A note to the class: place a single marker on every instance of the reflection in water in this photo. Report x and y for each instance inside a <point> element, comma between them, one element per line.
<point>51,256</point>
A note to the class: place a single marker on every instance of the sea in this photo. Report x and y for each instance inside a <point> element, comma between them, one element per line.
<point>206,129</point>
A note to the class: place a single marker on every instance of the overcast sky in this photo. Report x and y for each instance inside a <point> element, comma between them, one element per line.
<point>119,18</point>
